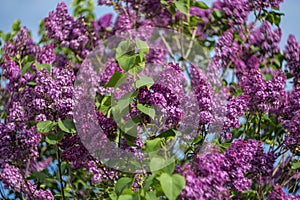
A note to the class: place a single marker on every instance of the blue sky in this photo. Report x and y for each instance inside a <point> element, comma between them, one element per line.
<point>30,12</point>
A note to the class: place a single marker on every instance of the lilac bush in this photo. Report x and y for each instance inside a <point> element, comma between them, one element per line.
<point>204,116</point>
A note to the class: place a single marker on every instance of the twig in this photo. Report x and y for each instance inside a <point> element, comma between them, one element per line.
<point>167,45</point>
<point>190,45</point>
<point>60,174</point>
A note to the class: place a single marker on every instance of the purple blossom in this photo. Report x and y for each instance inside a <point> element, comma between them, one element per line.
<point>23,45</point>
<point>66,30</point>
<point>205,177</point>
<point>46,55</point>
<point>292,53</point>
<point>227,49</point>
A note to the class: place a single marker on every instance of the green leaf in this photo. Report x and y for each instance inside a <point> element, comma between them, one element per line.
<point>171,185</point>
<point>16,26</point>
<point>125,197</point>
<point>151,195</point>
<point>123,48</point>
<point>67,126</point>
<point>144,81</point>
<point>146,110</point>
<point>182,6</point>
<point>138,66</point>
<point>32,83</point>
<point>157,163</point>
<point>116,78</point>
<point>147,183</point>
<point>217,13</point>
<point>127,62</point>
<point>54,138</point>
<point>296,165</point>
<point>153,145</point>
<point>142,46</point>
<point>105,104</point>
<point>40,66</point>
<point>201,4</point>
<point>122,184</point>
<point>45,126</point>
<point>26,68</point>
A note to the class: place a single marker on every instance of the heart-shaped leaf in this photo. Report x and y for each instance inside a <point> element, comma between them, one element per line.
<point>171,185</point>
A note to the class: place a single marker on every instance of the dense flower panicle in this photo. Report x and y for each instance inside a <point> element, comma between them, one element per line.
<point>66,30</point>
<point>266,39</point>
<point>59,23</point>
<point>77,155</point>
<point>12,72</point>
<point>227,49</point>
<point>247,157</point>
<point>156,55</point>
<point>12,178</point>
<point>260,4</point>
<point>235,109</point>
<point>239,156</point>
<point>18,143</point>
<point>165,98</point>
<point>23,45</point>
<point>267,96</point>
<point>205,177</point>
<point>236,11</point>
<point>46,55</point>
<point>124,21</point>
<point>278,193</point>
<point>108,125</point>
<point>292,139</point>
<point>292,56</point>
<point>203,93</point>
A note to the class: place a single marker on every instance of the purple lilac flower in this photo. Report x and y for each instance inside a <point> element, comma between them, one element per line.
<point>227,49</point>
<point>292,54</point>
<point>278,193</point>
<point>46,55</point>
<point>247,157</point>
<point>236,11</point>
<point>66,30</point>
<point>23,45</point>
<point>266,39</point>
<point>266,96</point>
<point>261,4</point>
<point>13,179</point>
<point>235,109</point>
<point>203,93</point>
<point>205,177</point>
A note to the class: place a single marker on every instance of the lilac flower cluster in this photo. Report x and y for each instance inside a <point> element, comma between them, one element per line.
<point>12,177</point>
<point>227,49</point>
<point>266,96</point>
<point>211,173</point>
<point>203,93</point>
<point>260,4</point>
<point>205,177</point>
<point>266,39</point>
<point>66,30</point>
<point>291,119</point>
<point>292,56</point>
<point>235,11</point>
<point>278,193</point>
<point>247,156</point>
<point>235,109</point>
<point>23,45</point>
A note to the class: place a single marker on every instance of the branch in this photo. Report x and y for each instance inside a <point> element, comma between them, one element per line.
<point>60,174</point>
